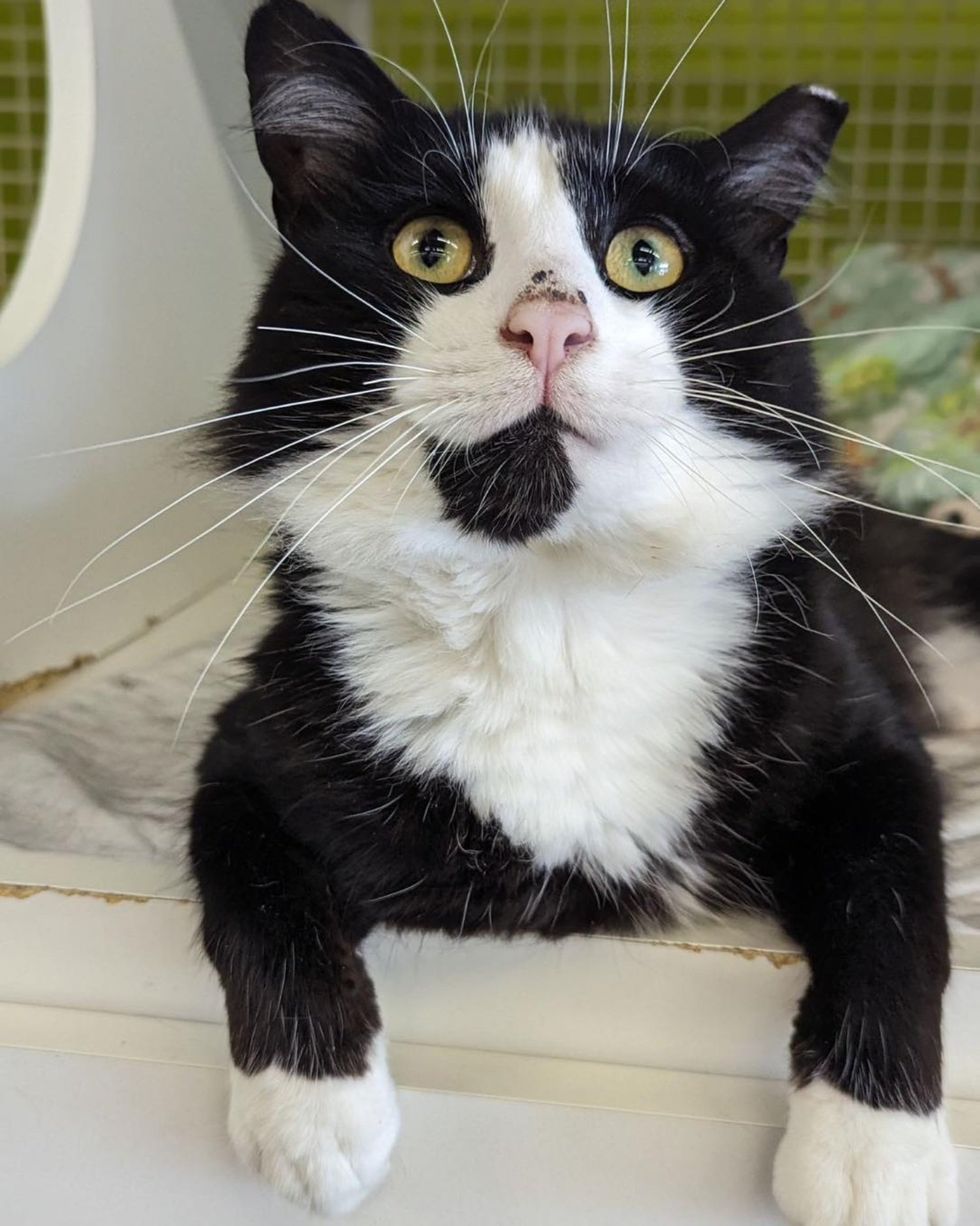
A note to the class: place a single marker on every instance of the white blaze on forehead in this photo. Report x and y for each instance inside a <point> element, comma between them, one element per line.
<point>529,217</point>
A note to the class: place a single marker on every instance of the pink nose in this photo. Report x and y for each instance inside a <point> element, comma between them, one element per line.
<point>547,332</point>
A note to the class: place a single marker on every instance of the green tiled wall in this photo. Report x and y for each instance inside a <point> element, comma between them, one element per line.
<point>909,158</point>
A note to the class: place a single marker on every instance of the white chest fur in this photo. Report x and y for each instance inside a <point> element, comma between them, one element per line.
<point>569,702</point>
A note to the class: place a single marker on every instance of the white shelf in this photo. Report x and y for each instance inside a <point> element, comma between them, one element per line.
<point>138,1135</point>
<point>713,1000</point>
<point>145,1143</point>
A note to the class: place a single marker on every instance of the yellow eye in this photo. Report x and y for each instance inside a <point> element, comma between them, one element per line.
<point>434,249</point>
<point>643,260</point>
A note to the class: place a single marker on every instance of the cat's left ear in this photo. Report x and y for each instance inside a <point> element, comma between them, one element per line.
<point>772,163</point>
<point>318,102</point>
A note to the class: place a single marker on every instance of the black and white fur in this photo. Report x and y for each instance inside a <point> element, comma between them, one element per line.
<point>566,667</point>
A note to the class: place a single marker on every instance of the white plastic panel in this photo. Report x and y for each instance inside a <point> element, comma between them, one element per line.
<point>124,321</point>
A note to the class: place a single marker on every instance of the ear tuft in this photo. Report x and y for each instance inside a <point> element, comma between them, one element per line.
<point>775,159</point>
<point>317,99</point>
<point>824,91</point>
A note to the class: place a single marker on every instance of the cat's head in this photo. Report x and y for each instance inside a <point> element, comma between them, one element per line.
<point>537,329</point>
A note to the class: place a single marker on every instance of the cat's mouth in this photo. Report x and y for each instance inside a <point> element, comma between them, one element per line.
<point>563,425</point>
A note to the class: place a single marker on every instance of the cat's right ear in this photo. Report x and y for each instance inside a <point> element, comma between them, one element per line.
<point>771,164</point>
<point>317,99</point>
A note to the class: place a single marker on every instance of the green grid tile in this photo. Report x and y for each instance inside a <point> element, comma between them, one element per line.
<point>23,107</point>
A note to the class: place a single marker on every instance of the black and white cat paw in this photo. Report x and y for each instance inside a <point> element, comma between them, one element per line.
<point>324,1143</point>
<point>842,1163</point>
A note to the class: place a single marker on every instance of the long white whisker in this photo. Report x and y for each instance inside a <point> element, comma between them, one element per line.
<point>778,413</point>
<point>479,59</point>
<point>305,370</point>
<point>612,89</point>
<point>486,99</point>
<point>622,84</point>
<point>459,76</point>
<point>734,402</point>
<point>794,306</point>
<point>711,489</point>
<point>849,577</point>
<point>865,595</point>
<point>874,605</point>
<point>664,142</point>
<point>401,498</point>
<point>736,399</point>
<point>389,379</point>
<point>268,579</point>
<point>838,336</point>
<point>296,442</point>
<point>320,472</point>
<point>840,496</point>
<point>711,318</point>
<point>336,336</point>
<point>200,536</point>
<point>400,324</point>
<point>658,445</point>
<point>673,72</point>
<point>208,421</point>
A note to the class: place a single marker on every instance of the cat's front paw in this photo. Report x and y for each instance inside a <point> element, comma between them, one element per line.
<point>324,1143</point>
<point>842,1163</point>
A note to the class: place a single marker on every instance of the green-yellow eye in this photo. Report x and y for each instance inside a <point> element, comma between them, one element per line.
<point>434,249</point>
<point>643,259</point>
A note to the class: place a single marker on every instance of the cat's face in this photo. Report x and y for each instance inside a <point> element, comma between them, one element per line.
<point>553,330</point>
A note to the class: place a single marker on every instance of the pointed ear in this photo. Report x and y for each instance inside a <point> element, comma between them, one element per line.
<point>317,99</point>
<point>772,162</point>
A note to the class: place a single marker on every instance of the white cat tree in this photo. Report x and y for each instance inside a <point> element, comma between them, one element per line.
<point>126,315</point>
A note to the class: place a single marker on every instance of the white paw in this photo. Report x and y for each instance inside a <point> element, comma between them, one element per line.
<point>842,1163</point>
<point>324,1143</point>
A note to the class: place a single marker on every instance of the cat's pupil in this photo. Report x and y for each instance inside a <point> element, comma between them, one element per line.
<point>645,258</point>
<point>432,247</point>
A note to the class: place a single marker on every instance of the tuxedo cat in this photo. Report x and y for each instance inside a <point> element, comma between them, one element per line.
<point>577,628</point>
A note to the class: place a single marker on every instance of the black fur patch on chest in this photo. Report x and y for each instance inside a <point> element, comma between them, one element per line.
<point>511,486</point>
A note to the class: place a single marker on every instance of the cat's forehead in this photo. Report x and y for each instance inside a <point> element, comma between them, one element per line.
<point>541,179</point>
<point>526,195</point>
